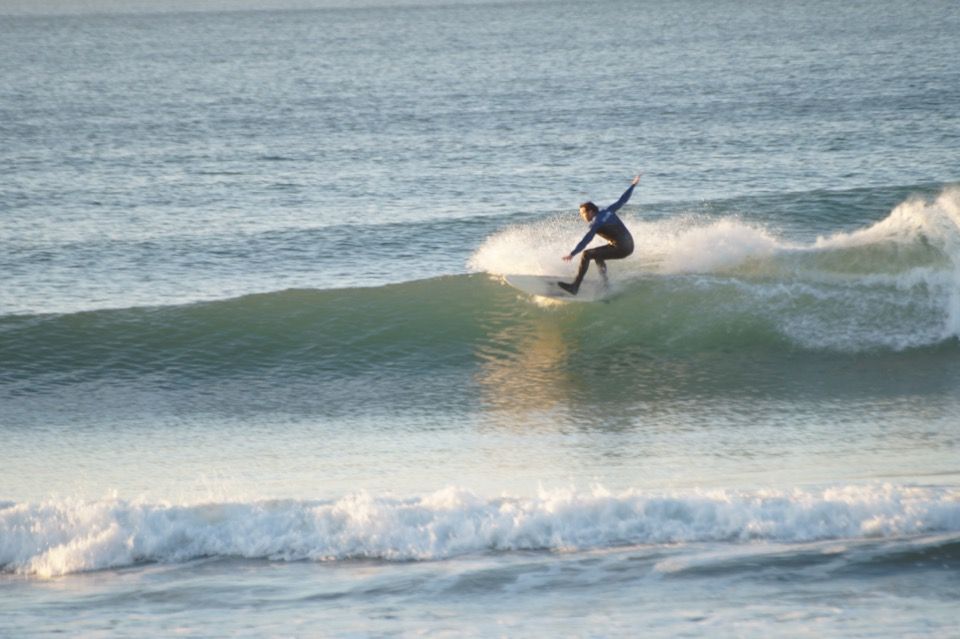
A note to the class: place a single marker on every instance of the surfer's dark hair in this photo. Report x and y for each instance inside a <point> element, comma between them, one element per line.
<point>591,207</point>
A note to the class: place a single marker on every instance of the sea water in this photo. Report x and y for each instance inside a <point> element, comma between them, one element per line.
<point>260,375</point>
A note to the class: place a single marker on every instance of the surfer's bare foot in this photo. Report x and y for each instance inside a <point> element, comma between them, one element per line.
<point>569,288</point>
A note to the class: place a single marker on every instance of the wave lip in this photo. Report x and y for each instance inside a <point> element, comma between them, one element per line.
<point>61,537</point>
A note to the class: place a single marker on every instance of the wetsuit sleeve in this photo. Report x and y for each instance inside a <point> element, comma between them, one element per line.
<point>613,208</point>
<point>586,238</point>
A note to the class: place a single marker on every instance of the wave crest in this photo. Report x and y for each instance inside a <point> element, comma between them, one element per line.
<point>61,537</point>
<point>693,285</point>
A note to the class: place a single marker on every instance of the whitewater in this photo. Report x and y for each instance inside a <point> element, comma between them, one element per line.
<point>57,538</point>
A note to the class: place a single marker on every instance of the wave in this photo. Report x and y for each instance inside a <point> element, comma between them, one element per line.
<point>693,285</point>
<point>66,536</point>
<point>892,285</point>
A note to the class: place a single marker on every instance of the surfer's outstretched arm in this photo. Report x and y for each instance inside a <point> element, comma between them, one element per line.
<point>613,208</point>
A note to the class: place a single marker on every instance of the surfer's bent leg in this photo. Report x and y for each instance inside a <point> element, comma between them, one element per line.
<point>584,266</point>
<point>574,286</point>
<point>600,255</point>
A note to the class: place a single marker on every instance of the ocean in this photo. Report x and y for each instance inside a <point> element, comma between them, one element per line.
<point>261,376</point>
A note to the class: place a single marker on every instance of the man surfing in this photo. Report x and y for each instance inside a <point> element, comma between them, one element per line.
<point>606,224</point>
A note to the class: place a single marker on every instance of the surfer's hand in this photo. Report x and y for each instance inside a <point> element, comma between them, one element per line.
<point>567,258</point>
<point>636,180</point>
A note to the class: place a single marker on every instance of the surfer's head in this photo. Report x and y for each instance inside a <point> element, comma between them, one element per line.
<point>588,211</point>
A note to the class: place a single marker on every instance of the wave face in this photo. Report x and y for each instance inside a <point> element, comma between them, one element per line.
<point>694,285</point>
<point>61,537</point>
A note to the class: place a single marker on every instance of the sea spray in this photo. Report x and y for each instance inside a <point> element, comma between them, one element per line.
<point>534,248</point>
<point>694,245</point>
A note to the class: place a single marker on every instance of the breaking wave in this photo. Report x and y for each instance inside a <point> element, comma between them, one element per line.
<point>693,285</point>
<point>60,537</point>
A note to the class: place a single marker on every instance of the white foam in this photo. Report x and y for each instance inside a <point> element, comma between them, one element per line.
<point>59,537</point>
<point>936,221</point>
<point>687,244</point>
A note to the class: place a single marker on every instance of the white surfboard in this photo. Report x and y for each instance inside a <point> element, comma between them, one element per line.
<point>546,286</point>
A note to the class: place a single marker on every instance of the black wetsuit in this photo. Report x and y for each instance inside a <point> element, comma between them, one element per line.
<point>607,225</point>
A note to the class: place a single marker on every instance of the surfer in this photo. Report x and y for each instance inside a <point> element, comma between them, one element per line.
<point>606,224</point>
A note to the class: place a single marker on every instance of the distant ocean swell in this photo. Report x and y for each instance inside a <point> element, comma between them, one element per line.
<point>66,536</point>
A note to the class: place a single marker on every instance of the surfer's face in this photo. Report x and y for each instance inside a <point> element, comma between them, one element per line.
<point>586,214</point>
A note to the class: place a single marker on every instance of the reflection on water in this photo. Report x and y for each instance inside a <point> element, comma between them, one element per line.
<point>524,369</point>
